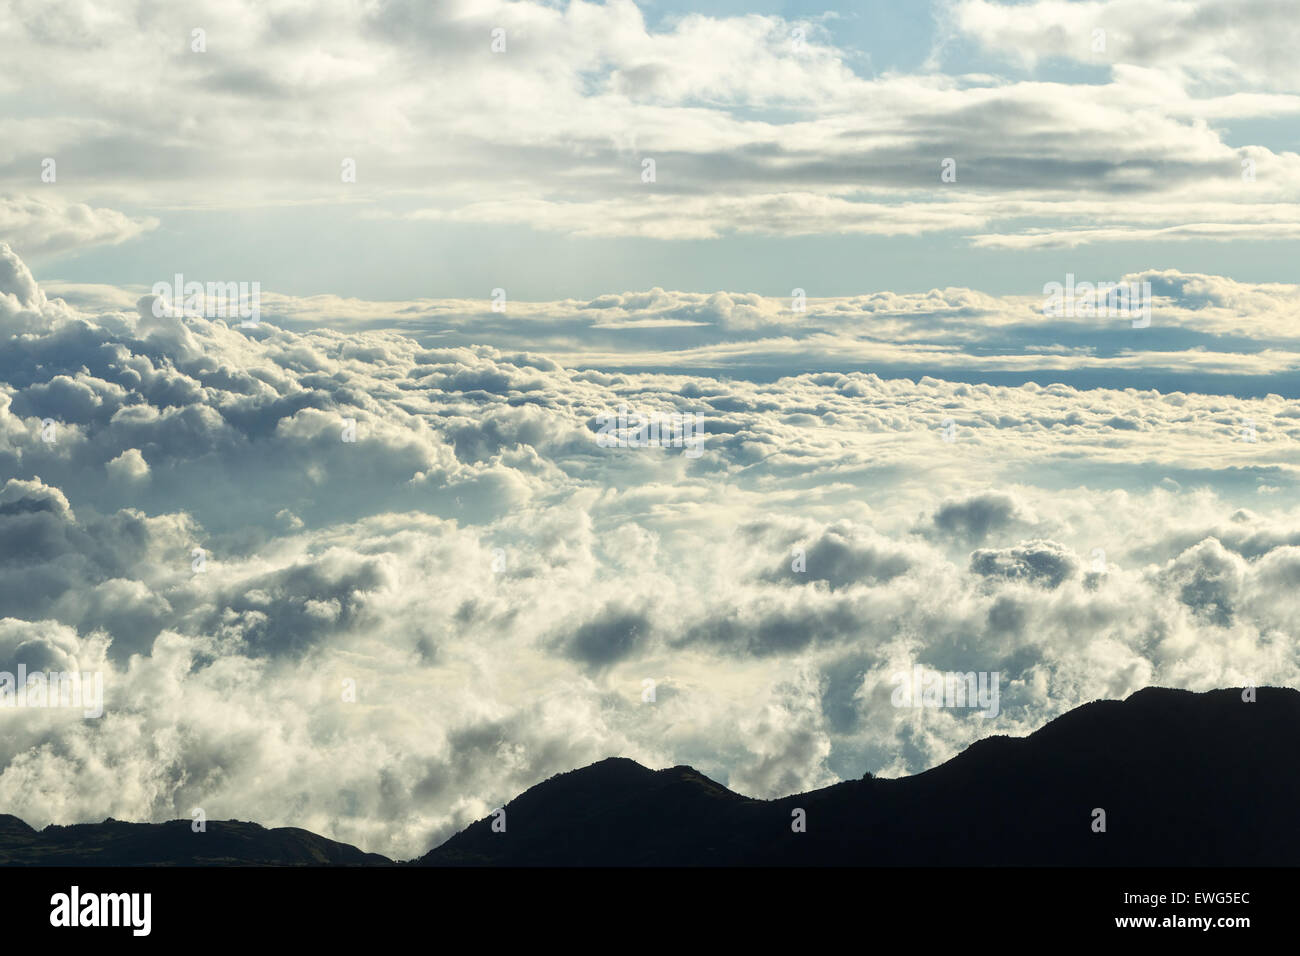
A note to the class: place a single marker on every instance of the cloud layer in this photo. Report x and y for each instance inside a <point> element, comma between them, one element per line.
<point>382,638</point>
<point>756,125</point>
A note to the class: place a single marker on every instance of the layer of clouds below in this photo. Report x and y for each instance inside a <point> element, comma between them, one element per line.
<point>499,587</point>
<point>751,132</point>
<point>1204,333</point>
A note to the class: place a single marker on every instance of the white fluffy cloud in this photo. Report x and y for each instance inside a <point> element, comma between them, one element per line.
<point>752,132</point>
<point>1212,41</point>
<point>498,588</point>
<point>51,224</point>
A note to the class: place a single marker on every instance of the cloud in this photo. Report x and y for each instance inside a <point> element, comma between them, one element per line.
<point>128,466</point>
<point>42,227</point>
<point>1214,41</point>
<point>974,518</point>
<point>1042,562</point>
<point>380,639</point>
<point>754,129</point>
<point>1196,329</point>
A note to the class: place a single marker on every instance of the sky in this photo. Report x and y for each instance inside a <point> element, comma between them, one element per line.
<point>364,567</point>
<point>810,140</point>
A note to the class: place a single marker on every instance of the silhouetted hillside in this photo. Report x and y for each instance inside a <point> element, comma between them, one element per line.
<point>225,843</point>
<point>1184,779</point>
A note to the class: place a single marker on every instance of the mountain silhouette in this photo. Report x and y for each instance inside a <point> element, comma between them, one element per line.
<point>1185,779</point>
<point>224,843</point>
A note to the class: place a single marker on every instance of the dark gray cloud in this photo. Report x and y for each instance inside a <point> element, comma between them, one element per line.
<point>975,518</point>
<point>1038,562</point>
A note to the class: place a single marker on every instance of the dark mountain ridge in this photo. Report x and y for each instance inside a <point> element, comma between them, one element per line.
<point>224,843</point>
<point>1185,779</point>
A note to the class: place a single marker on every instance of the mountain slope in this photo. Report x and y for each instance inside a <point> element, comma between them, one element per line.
<point>1184,779</point>
<point>225,843</point>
